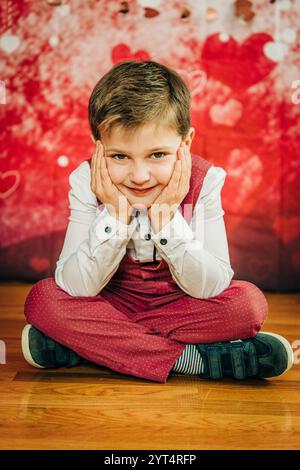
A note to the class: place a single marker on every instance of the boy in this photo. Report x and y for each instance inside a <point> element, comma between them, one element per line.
<point>143,286</point>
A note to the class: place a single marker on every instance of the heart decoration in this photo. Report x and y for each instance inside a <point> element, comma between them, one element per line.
<point>9,186</point>
<point>276,51</point>
<point>195,80</point>
<point>243,9</point>
<point>238,66</point>
<point>226,114</point>
<point>123,52</point>
<point>150,12</point>
<point>211,14</point>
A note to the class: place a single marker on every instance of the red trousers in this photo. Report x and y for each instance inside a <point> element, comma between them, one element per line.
<point>141,321</point>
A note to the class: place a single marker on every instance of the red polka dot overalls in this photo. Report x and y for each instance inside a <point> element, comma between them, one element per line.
<point>140,322</point>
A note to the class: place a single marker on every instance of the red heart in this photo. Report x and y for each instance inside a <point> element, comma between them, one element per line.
<point>9,185</point>
<point>237,65</point>
<point>39,264</point>
<point>122,52</point>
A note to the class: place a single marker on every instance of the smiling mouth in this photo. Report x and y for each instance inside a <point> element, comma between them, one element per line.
<point>141,191</point>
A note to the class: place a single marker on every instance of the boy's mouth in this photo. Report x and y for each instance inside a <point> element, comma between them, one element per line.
<point>140,192</point>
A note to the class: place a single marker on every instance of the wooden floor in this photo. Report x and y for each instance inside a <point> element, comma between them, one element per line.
<point>92,407</point>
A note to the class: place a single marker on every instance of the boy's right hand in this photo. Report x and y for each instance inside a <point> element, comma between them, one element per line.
<point>105,190</point>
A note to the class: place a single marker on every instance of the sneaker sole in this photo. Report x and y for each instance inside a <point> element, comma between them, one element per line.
<point>288,348</point>
<point>26,349</point>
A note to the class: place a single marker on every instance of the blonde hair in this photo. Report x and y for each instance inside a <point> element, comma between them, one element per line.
<point>136,93</point>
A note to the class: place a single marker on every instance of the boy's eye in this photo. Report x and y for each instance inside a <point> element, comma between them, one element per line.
<point>121,155</point>
<point>159,153</point>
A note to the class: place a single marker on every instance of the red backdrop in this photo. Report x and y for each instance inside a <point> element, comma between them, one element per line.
<point>242,66</point>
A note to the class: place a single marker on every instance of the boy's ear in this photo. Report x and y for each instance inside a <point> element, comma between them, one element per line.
<point>190,137</point>
<point>92,137</point>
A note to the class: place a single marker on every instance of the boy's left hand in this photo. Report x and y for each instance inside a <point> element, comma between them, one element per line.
<point>165,205</point>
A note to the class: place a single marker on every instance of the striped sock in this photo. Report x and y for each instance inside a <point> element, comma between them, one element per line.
<point>189,362</point>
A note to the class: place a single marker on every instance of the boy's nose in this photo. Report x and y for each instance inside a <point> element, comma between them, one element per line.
<point>140,176</point>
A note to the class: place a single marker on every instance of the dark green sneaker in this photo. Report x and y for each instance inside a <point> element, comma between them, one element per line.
<point>43,352</point>
<point>264,355</point>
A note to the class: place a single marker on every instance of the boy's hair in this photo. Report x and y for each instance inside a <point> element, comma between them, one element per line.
<point>135,93</point>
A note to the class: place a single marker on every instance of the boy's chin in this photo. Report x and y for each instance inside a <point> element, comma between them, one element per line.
<point>140,205</point>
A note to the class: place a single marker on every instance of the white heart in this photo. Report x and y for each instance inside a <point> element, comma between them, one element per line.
<point>9,43</point>
<point>196,80</point>
<point>226,114</point>
<point>275,51</point>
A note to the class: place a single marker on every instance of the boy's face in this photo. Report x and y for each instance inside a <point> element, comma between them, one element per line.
<point>132,163</point>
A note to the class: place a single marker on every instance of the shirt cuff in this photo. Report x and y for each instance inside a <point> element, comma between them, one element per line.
<point>174,232</point>
<point>107,227</point>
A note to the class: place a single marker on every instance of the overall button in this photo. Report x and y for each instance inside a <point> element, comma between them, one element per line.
<point>107,229</point>
<point>147,236</point>
<point>163,241</point>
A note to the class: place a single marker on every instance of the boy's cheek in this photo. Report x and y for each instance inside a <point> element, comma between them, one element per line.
<point>116,174</point>
<point>165,174</point>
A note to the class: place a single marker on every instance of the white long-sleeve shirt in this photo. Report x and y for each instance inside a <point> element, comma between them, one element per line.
<point>95,241</point>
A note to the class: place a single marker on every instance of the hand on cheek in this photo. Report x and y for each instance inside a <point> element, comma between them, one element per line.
<point>165,205</point>
<point>105,190</point>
